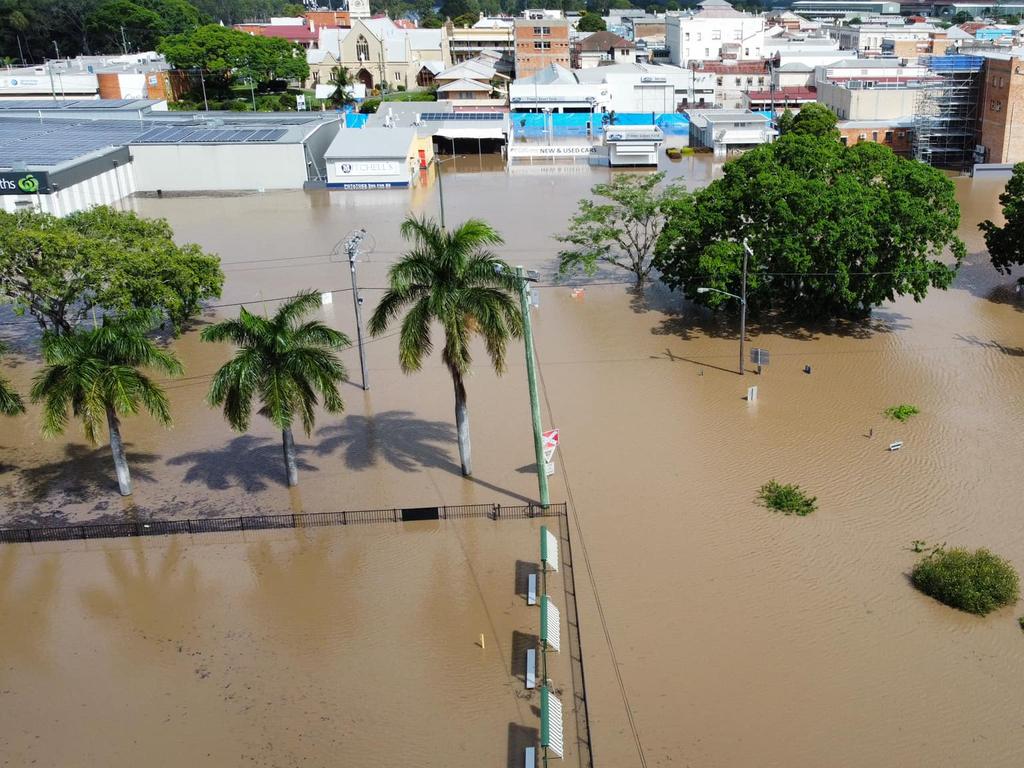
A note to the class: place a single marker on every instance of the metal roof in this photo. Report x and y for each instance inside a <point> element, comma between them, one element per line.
<point>64,105</point>
<point>365,143</point>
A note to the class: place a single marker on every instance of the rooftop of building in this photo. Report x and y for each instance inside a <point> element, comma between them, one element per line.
<point>91,65</point>
<point>603,41</point>
<point>371,142</point>
<point>717,9</point>
<point>790,93</point>
<point>731,67</point>
<point>716,116</point>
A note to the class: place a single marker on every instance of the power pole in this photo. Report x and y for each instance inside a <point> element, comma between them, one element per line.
<point>531,377</point>
<point>743,304</point>
<point>124,42</point>
<point>352,249</point>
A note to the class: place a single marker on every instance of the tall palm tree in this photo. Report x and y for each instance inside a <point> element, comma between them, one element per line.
<point>452,278</point>
<point>11,403</point>
<point>341,79</point>
<point>95,372</point>
<point>282,362</point>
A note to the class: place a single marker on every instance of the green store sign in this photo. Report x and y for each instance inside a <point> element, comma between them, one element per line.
<point>24,183</point>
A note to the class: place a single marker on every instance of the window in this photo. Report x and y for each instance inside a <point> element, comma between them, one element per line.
<point>686,37</point>
<point>737,34</point>
<point>541,44</point>
<point>719,82</point>
<point>362,49</point>
<point>716,34</point>
<point>874,135</point>
<point>537,31</point>
<point>707,53</point>
<point>746,51</point>
<point>698,36</point>
<point>843,141</point>
<point>760,81</point>
<point>750,81</point>
<point>888,137</point>
<point>739,81</point>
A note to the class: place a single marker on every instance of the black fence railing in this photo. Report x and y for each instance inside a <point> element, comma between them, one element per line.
<point>268,522</point>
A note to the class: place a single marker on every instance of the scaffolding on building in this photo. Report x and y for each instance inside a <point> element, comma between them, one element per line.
<point>946,111</point>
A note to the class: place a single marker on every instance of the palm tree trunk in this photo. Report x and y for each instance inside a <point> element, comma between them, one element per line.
<point>124,478</point>
<point>462,423</point>
<point>289,457</point>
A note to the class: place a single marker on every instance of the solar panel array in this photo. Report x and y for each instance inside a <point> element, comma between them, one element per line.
<point>448,116</point>
<point>54,142</point>
<point>68,104</point>
<point>190,135</point>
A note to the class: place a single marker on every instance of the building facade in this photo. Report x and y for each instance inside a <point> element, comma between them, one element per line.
<point>541,43</point>
<point>1002,110</point>
<point>716,32</point>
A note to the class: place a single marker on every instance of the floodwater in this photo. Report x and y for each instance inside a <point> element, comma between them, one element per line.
<point>714,632</point>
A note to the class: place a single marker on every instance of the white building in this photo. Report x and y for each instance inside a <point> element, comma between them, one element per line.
<point>617,87</point>
<point>810,51</point>
<point>724,130</point>
<point>718,31</point>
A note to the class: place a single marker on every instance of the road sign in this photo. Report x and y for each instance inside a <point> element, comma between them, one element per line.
<point>549,468</point>
<point>759,356</point>
<point>751,394</point>
<point>550,439</point>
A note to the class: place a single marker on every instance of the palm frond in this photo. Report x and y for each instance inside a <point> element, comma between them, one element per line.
<point>414,342</point>
<point>11,403</point>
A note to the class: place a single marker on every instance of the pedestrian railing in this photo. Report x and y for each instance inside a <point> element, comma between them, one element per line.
<point>268,522</point>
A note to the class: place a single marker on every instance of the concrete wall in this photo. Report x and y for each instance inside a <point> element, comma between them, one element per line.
<point>867,103</point>
<point>218,167</point>
<point>702,39</point>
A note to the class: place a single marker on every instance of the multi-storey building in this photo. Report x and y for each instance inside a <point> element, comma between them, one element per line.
<point>716,32</point>
<point>467,43</point>
<point>540,43</point>
<point>1002,109</point>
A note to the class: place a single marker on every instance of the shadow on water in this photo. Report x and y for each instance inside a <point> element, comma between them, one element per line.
<point>247,462</point>
<point>519,738</point>
<point>521,643</point>
<point>395,437</point>
<point>522,580</point>
<point>974,341</point>
<point>978,277</point>
<point>82,474</point>
<point>401,440</point>
<point>688,321</point>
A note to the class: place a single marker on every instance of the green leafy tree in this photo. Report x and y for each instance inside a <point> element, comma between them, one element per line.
<point>232,55</point>
<point>621,228</point>
<point>285,363</point>
<point>341,79</point>
<point>815,120</point>
<point>466,20</point>
<point>452,9</point>
<point>962,17</point>
<point>591,22</point>
<point>142,27</point>
<point>293,10</point>
<point>785,121</point>
<point>834,231</point>
<point>61,270</point>
<point>95,374</point>
<point>11,403</point>
<point>1006,243</point>
<point>451,278</point>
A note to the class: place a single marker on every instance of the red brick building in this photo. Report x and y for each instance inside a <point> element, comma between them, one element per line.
<point>1002,110</point>
<point>540,43</point>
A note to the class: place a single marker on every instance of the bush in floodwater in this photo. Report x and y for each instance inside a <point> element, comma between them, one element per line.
<point>788,499</point>
<point>902,412</point>
<point>976,582</point>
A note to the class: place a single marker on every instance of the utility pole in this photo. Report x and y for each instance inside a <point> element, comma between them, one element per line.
<point>202,83</point>
<point>531,377</point>
<point>743,304</point>
<point>352,249</point>
<point>57,49</point>
<point>124,42</point>
<point>440,189</point>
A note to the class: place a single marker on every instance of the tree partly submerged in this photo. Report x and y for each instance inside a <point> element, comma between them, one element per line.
<point>95,374</point>
<point>451,278</point>
<point>283,362</point>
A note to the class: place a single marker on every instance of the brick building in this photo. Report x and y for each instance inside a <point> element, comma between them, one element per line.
<point>540,43</point>
<point>1002,110</point>
<point>897,134</point>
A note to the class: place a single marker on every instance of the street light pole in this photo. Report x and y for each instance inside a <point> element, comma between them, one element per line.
<point>352,249</point>
<point>531,377</point>
<point>743,305</point>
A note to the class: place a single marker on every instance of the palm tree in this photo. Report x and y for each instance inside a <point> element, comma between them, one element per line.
<point>283,363</point>
<point>452,278</point>
<point>95,372</point>
<point>341,79</point>
<point>11,403</point>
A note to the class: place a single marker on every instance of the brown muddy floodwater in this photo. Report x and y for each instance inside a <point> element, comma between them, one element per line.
<point>714,632</point>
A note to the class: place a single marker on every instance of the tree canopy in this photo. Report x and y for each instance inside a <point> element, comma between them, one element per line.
<point>834,230</point>
<point>622,229</point>
<point>236,55</point>
<point>1006,243</point>
<point>591,22</point>
<point>812,120</point>
<point>60,270</point>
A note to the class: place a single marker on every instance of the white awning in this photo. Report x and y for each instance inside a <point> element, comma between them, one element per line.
<point>468,132</point>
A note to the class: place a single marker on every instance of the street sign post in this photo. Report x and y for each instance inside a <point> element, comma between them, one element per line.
<point>759,357</point>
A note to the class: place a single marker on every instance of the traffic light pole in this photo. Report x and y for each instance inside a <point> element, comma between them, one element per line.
<point>531,376</point>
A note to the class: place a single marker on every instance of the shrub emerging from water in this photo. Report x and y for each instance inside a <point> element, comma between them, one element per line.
<point>902,412</point>
<point>976,582</point>
<point>788,499</point>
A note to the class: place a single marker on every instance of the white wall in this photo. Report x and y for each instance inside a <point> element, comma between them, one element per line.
<point>218,167</point>
<point>373,173</point>
<point>106,188</point>
<point>693,38</point>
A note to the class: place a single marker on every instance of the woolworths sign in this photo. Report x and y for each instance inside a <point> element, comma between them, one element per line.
<point>24,182</point>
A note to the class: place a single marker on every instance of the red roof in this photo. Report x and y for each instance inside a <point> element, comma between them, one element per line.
<point>739,68</point>
<point>789,93</point>
<point>404,24</point>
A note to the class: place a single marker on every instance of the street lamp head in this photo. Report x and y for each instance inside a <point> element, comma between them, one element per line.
<point>703,290</point>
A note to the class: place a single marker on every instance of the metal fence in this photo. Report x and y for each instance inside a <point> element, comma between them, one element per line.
<point>268,522</point>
